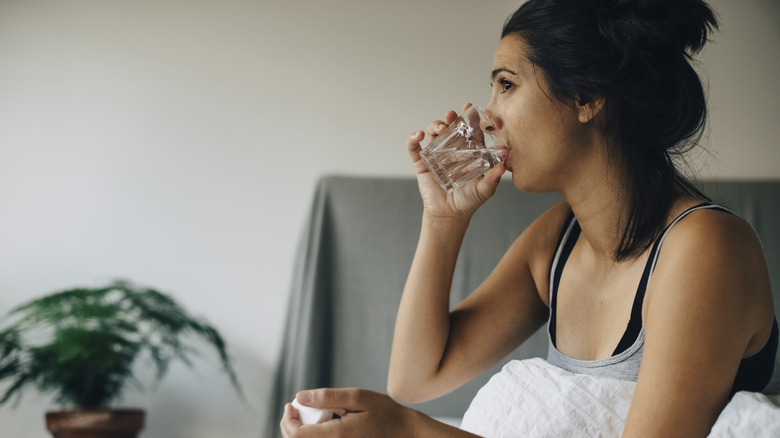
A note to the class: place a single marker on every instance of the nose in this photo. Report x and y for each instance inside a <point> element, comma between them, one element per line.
<point>490,123</point>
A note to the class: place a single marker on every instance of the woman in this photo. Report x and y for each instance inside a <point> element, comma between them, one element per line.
<point>595,99</point>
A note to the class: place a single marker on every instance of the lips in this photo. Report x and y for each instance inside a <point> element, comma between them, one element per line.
<point>505,153</point>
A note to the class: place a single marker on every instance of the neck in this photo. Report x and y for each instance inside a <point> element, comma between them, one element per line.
<point>596,198</point>
<point>598,209</point>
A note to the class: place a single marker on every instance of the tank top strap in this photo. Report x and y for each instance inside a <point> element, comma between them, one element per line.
<point>635,322</point>
<point>566,241</point>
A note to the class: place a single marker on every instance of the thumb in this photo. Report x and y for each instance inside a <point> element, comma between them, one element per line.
<point>347,399</point>
<point>489,183</point>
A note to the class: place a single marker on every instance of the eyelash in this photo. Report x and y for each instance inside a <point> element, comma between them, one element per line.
<point>506,85</point>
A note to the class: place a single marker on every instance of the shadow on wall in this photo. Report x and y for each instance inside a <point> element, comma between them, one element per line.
<point>199,402</point>
<point>190,402</point>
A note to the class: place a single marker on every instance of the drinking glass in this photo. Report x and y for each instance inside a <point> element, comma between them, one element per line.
<point>464,151</point>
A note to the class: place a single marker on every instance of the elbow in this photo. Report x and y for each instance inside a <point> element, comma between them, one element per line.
<point>409,382</point>
<point>403,395</point>
<point>395,392</point>
<point>396,389</point>
<point>405,391</point>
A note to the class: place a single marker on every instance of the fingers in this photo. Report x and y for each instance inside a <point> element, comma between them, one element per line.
<point>450,117</point>
<point>290,421</point>
<point>414,148</point>
<point>434,129</point>
<point>348,399</point>
<point>438,126</point>
<point>486,187</point>
<point>413,145</point>
<point>292,427</point>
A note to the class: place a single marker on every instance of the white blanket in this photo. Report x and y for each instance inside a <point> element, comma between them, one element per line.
<point>531,398</point>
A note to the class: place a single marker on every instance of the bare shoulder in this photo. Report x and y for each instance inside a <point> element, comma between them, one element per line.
<point>712,262</point>
<point>708,305</point>
<point>718,244</point>
<point>536,245</point>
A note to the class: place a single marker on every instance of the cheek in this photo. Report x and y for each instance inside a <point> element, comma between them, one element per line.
<point>535,128</point>
<point>526,134</point>
<point>543,131</point>
<point>538,146</point>
<point>518,124</point>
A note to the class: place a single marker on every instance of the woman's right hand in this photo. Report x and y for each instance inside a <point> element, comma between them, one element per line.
<point>461,203</point>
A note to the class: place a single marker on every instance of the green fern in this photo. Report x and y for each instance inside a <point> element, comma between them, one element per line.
<point>81,344</point>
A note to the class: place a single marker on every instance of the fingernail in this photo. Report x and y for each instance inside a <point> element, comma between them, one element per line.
<point>305,397</point>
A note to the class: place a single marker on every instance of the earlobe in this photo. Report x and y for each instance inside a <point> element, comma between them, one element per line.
<point>588,108</point>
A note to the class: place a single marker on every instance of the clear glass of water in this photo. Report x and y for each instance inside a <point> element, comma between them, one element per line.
<point>466,150</point>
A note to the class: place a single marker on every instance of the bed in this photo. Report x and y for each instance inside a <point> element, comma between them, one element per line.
<point>355,253</point>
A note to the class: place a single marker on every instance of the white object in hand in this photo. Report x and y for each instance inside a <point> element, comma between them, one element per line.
<point>312,415</point>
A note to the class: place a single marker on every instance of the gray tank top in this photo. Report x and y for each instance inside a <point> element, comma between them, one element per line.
<point>624,363</point>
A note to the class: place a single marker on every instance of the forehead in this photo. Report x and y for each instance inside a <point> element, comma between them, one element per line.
<point>511,54</point>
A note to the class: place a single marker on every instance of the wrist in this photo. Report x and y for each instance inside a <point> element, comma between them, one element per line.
<point>443,235</point>
<point>448,224</point>
<point>414,423</point>
<point>420,425</point>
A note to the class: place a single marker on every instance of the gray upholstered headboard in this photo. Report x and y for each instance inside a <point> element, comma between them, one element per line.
<point>356,252</point>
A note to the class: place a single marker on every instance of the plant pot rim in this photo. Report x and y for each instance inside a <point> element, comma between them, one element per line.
<point>107,421</point>
<point>102,409</point>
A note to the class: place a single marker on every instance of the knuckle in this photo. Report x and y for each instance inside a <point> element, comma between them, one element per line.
<point>324,395</point>
<point>361,397</point>
<point>358,398</point>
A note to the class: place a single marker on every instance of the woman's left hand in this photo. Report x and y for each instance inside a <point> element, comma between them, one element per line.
<point>366,414</point>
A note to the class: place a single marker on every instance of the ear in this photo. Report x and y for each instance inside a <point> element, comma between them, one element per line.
<point>588,108</point>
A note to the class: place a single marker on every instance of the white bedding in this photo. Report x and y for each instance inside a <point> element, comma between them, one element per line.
<point>532,398</point>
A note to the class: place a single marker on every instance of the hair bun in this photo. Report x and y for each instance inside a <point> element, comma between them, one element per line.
<point>653,29</point>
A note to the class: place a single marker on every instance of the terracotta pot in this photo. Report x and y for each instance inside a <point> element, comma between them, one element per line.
<point>100,423</point>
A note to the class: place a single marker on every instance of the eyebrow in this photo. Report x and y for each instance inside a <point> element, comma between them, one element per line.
<point>495,72</point>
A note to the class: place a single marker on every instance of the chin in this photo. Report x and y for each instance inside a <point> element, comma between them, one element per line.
<point>528,185</point>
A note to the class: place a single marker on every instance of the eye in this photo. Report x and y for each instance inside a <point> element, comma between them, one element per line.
<point>505,85</point>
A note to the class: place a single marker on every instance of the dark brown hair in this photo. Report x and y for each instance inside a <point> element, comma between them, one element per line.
<point>636,54</point>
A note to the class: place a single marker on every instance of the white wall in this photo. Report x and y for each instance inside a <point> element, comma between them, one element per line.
<point>742,66</point>
<point>176,143</point>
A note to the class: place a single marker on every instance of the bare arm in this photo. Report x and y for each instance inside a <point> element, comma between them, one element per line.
<point>422,326</point>
<point>708,306</point>
<point>436,350</point>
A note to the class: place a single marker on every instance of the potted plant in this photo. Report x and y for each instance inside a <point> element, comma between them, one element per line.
<point>82,345</point>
